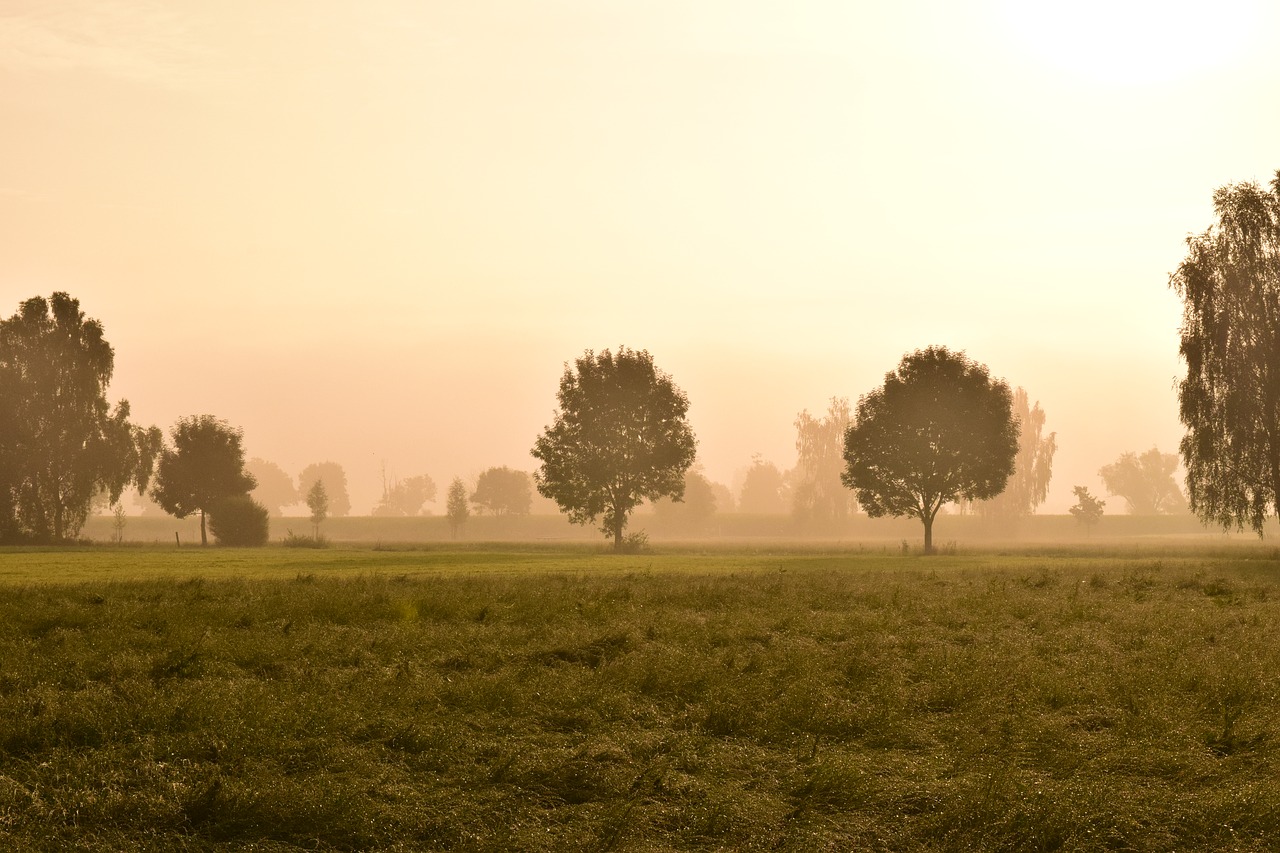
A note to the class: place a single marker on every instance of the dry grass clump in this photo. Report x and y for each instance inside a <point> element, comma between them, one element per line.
<point>828,705</point>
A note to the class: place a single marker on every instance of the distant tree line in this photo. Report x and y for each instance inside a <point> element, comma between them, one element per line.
<point>939,431</point>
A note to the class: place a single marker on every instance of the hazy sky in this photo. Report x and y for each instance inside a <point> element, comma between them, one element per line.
<point>374,231</point>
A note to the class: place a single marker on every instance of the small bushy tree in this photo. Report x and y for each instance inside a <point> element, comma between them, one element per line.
<point>1088,509</point>
<point>239,520</point>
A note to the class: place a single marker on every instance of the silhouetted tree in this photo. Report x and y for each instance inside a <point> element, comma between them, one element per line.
<point>695,508</point>
<point>939,429</point>
<point>318,503</point>
<point>1033,468</point>
<point>456,505</point>
<point>723,497</point>
<point>60,442</point>
<point>816,491</point>
<point>621,436</point>
<point>1145,482</point>
<point>764,490</point>
<point>275,489</point>
<point>205,465</point>
<point>335,485</point>
<point>1088,509</point>
<point>1230,340</point>
<point>503,491</point>
<point>239,520</point>
<point>405,497</point>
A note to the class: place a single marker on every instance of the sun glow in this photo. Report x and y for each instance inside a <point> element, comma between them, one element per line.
<point>1133,41</point>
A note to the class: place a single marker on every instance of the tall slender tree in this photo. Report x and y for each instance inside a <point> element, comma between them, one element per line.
<point>60,441</point>
<point>456,507</point>
<point>1229,400</point>
<point>318,503</point>
<point>816,491</point>
<point>1033,467</point>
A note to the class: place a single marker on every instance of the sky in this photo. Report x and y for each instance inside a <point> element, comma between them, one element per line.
<point>374,232</point>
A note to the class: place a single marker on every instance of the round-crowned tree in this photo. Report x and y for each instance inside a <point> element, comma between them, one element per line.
<point>621,436</point>
<point>939,429</point>
<point>204,466</point>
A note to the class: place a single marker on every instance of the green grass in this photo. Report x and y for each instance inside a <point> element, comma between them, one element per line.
<point>557,699</point>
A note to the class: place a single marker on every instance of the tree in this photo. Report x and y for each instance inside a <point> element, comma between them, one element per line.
<point>817,493</point>
<point>335,485</point>
<point>204,466</point>
<point>239,520</point>
<point>621,436</point>
<point>405,497</point>
<point>1029,485</point>
<point>695,508</point>
<point>275,489</point>
<point>456,505</point>
<point>502,491</point>
<point>318,503</point>
<point>1088,509</point>
<point>1229,400</point>
<point>60,442</point>
<point>1145,482</point>
<point>764,490</point>
<point>938,430</point>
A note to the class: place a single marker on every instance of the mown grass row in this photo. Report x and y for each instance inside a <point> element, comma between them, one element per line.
<point>831,706</point>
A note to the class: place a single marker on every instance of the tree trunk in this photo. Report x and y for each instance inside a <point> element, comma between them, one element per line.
<point>927,518</point>
<point>203,539</point>
<point>617,538</point>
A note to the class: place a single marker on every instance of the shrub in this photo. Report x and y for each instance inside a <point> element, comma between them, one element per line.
<point>293,540</point>
<point>239,520</point>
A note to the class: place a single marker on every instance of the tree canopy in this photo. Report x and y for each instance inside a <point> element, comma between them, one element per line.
<point>764,489</point>
<point>204,466</point>
<point>1229,400</point>
<point>1029,485</point>
<point>816,491</point>
<point>939,429</point>
<point>275,489</point>
<point>405,497</point>
<point>621,436</point>
<point>503,491</point>
<point>1145,482</point>
<point>60,441</point>
<point>696,507</point>
<point>335,485</point>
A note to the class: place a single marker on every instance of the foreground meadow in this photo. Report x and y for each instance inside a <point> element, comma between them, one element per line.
<point>552,699</point>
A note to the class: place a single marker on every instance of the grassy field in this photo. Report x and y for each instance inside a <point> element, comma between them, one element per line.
<point>555,698</point>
